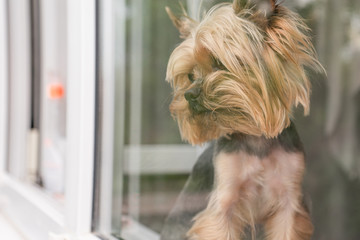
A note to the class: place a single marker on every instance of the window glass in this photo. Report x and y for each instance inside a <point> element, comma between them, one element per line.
<point>160,183</point>
<point>37,92</point>
<point>53,94</point>
<point>151,136</point>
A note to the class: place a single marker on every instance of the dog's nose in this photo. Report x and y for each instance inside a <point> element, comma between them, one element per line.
<point>192,94</point>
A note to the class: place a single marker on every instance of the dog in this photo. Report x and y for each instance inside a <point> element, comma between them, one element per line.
<point>236,78</point>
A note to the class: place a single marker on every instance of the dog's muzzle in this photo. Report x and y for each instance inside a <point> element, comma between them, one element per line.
<point>192,96</point>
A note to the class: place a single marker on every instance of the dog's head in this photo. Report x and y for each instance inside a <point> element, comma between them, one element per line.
<point>239,70</point>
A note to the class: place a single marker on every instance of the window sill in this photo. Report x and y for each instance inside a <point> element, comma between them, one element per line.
<point>29,209</point>
<point>8,231</point>
<point>33,214</point>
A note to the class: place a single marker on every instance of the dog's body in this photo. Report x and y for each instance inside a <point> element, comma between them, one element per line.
<point>257,180</point>
<point>236,77</point>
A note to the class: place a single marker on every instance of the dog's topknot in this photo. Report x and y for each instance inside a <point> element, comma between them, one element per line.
<point>248,69</point>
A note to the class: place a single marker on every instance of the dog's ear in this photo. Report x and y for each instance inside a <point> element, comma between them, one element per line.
<point>287,52</point>
<point>184,23</point>
<point>273,4</point>
<point>266,7</point>
<point>238,5</point>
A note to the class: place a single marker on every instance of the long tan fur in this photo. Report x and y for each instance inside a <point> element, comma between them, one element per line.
<point>263,77</point>
<point>240,71</point>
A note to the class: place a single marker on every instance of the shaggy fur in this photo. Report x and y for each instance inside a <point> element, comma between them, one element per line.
<point>241,71</point>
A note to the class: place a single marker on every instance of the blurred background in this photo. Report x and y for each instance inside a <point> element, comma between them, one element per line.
<point>140,162</point>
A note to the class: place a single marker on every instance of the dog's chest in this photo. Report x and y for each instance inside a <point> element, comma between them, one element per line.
<point>258,166</point>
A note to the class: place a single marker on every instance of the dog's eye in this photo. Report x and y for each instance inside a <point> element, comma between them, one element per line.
<point>217,65</point>
<point>191,77</point>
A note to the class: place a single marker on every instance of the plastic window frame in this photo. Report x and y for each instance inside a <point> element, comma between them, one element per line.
<point>73,218</point>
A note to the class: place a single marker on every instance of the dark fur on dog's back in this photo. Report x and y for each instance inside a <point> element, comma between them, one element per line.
<point>289,140</point>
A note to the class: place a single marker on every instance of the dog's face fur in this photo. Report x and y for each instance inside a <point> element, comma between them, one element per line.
<point>239,70</point>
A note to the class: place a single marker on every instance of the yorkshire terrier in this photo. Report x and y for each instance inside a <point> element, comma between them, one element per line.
<point>235,78</point>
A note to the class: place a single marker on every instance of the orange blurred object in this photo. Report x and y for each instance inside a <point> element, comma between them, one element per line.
<point>56,90</point>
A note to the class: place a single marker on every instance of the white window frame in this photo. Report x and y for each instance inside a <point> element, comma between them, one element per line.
<point>71,219</point>
<point>3,83</point>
